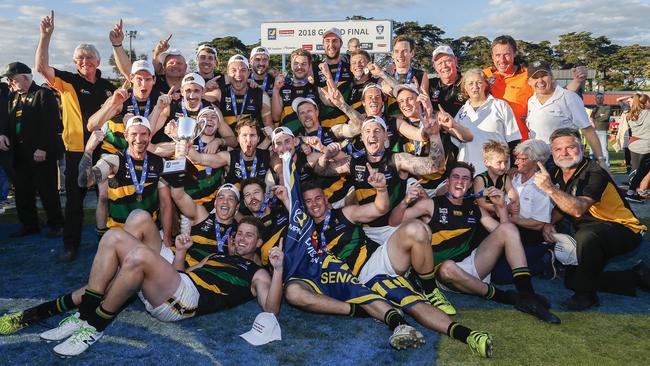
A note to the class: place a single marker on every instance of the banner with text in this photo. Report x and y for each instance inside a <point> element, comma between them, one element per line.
<point>375,36</point>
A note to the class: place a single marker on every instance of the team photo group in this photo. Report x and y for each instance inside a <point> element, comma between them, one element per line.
<point>341,186</point>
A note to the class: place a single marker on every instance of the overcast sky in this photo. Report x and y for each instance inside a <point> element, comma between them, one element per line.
<point>623,21</point>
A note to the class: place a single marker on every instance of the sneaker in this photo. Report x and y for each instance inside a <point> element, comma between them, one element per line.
<point>82,338</point>
<point>635,198</point>
<point>11,323</point>
<point>438,299</point>
<point>644,193</point>
<point>480,343</point>
<point>66,327</point>
<point>405,336</point>
<point>534,305</point>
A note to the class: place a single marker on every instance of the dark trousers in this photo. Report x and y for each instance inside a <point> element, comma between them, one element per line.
<point>32,177</point>
<point>598,242</point>
<point>640,163</point>
<point>74,205</point>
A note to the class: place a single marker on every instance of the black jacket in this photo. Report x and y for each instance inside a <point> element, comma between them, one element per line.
<point>40,118</point>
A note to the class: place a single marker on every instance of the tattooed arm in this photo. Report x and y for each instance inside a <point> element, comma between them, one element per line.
<point>90,175</point>
<point>425,165</point>
<point>353,127</point>
<point>326,166</point>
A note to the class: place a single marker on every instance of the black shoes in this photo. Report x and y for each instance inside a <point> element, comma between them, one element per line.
<point>24,231</point>
<point>535,305</point>
<point>68,255</point>
<point>581,301</point>
<point>642,272</point>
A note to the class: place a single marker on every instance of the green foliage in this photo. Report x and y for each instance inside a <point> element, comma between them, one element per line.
<point>426,38</point>
<point>472,52</point>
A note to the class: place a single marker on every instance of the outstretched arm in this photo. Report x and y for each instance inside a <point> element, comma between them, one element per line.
<point>42,57</point>
<point>269,289</point>
<point>90,175</point>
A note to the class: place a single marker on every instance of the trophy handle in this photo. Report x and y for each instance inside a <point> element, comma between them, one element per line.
<point>202,124</point>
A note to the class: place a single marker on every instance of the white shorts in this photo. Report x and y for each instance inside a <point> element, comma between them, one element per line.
<point>377,264</point>
<point>379,234</point>
<point>180,306</point>
<point>469,267</point>
<point>166,253</point>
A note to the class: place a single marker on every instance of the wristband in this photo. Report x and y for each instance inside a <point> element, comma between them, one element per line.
<point>116,45</point>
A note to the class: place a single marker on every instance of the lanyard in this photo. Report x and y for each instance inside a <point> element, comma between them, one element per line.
<point>139,186</point>
<point>409,75</point>
<point>221,240</point>
<point>265,202</point>
<point>326,225</point>
<point>234,103</point>
<point>208,170</point>
<point>469,195</point>
<point>353,151</point>
<point>266,80</point>
<point>338,72</point>
<point>185,110</point>
<point>242,166</point>
<point>290,81</point>
<point>136,109</point>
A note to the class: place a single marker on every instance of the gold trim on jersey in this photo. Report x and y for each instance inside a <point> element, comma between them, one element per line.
<point>442,235</point>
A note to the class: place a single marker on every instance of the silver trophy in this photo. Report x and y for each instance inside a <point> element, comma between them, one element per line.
<point>180,171</point>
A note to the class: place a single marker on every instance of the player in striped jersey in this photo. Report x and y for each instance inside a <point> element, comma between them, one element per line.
<point>463,262</point>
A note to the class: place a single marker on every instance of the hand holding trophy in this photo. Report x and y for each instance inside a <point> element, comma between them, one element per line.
<point>180,171</point>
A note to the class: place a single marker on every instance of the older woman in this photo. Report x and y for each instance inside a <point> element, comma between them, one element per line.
<point>487,118</point>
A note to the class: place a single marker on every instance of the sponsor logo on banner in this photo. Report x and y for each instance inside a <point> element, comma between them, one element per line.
<point>308,47</point>
<point>366,46</point>
<point>381,45</point>
<point>286,32</point>
<point>319,47</point>
<point>380,29</point>
<point>272,34</point>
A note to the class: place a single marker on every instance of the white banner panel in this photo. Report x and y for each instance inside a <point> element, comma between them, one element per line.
<point>283,37</point>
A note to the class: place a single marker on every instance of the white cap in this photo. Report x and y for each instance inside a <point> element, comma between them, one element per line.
<point>443,49</point>
<point>300,100</point>
<point>238,58</point>
<point>260,50</point>
<point>265,329</point>
<point>142,65</point>
<point>281,131</point>
<point>138,120</point>
<point>376,119</point>
<point>335,31</point>
<point>210,49</point>
<point>229,187</point>
<point>204,111</point>
<point>193,78</point>
<point>370,86</point>
<point>169,52</point>
<point>400,87</point>
<point>565,249</point>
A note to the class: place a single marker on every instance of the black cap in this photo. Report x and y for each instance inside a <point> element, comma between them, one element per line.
<point>538,66</point>
<point>16,68</point>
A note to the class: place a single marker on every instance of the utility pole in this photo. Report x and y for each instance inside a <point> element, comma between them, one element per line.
<point>131,35</point>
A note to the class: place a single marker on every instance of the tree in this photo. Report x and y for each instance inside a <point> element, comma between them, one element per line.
<point>628,68</point>
<point>472,52</point>
<point>529,52</point>
<point>426,38</point>
<point>116,71</point>
<point>227,47</point>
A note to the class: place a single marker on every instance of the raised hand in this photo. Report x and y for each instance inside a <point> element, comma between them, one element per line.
<point>47,25</point>
<point>376,179</point>
<point>116,35</point>
<point>212,84</point>
<point>331,150</point>
<point>162,45</point>
<point>543,179</point>
<point>445,120</point>
<point>276,256</point>
<point>375,70</point>
<point>279,81</point>
<point>183,242</point>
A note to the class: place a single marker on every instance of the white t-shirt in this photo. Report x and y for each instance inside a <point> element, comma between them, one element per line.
<point>533,202</point>
<point>493,120</point>
<point>563,109</point>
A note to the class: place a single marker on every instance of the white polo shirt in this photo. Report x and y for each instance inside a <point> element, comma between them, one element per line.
<point>563,109</point>
<point>493,120</point>
<point>533,202</point>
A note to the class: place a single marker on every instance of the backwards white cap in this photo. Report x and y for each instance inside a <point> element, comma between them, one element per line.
<point>265,329</point>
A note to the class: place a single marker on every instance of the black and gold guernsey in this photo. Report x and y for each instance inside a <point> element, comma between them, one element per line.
<point>275,227</point>
<point>354,97</point>
<point>122,197</point>
<point>332,116</point>
<point>233,110</point>
<point>114,140</point>
<point>431,181</point>
<point>223,282</point>
<point>454,229</point>
<point>289,92</point>
<point>204,237</point>
<point>235,174</point>
<point>499,184</point>
<point>177,110</point>
<point>346,241</point>
<point>413,73</point>
<point>266,84</point>
<point>365,193</point>
<point>204,190</point>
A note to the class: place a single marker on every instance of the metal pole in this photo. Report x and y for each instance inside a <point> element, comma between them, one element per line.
<point>284,62</point>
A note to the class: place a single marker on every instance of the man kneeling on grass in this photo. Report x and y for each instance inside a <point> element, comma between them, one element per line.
<point>133,259</point>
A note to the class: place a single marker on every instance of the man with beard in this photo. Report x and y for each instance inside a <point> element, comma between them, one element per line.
<point>605,226</point>
<point>464,263</point>
<point>263,204</point>
<point>207,62</point>
<point>286,90</point>
<point>239,100</point>
<point>248,160</point>
<point>82,94</point>
<point>259,60</point>
<point>395,166</point>
<point>122,105</point>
